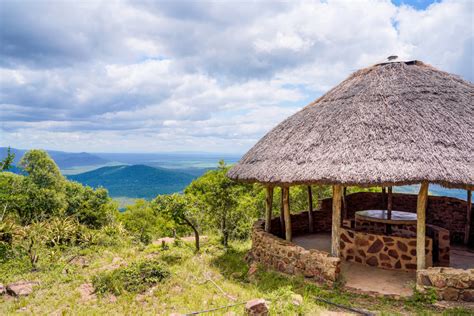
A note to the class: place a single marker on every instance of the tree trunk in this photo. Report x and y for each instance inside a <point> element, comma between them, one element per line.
<point>196,233</point>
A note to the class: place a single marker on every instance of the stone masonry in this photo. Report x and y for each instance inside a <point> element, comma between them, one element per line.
<point>284,256</point>
<point>386,252</point>
<point>449,284</point>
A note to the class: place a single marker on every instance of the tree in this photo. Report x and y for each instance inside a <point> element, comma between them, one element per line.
<point>90,207</point>
<point>142,221</point>
<point>7,162</point>
<point>182,209</point>
<point>42,170</point>
<point>221,197</point>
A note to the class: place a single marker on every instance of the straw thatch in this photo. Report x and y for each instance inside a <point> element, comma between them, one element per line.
<point>390,124</point>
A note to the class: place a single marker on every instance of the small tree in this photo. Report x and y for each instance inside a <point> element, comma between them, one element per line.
<point>7,162</point>
<point>221,197</point>
<point>182,209</point>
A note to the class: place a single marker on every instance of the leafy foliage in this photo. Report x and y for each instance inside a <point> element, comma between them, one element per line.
<point>136,278</point>
<point>6,163</point>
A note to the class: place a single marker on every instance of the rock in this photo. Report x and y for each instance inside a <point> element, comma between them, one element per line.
<point>80,261</point>
<point>468,295</point>
<point>3,290</point>
<point>253,268</point>
<point>256,307</point>
<point>22,288</point>
<point>87,292</point>
<point>112,298</point>
<point>296,299</point>
<point>450,294</point>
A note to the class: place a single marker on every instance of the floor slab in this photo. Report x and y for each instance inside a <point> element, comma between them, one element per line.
<point>360,276</point>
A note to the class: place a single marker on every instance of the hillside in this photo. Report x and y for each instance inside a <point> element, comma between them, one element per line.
<point>137,181</point>
<point>63,159</point>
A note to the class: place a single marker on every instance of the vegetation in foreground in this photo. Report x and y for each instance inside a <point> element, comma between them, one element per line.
<point>128,278</point>
<point>90,259</point>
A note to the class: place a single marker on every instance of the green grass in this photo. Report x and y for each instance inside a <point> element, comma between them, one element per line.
<point>213,278</point>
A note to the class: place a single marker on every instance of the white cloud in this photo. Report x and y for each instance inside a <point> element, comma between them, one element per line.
<point>155,76</point>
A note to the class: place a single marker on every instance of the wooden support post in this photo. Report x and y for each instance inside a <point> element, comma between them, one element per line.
<point>344,206</point>
<point>467,234</point>
<point>310,210</point>
<point>286,212</point>
<point>336,220</point>
<point>282,216</point>
<point>389,210</point>
<point>268,209</point>
<point>421,226</point>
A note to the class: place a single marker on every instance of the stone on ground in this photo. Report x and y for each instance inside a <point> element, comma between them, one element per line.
<point>253,269</point>
<point>256,307</point>
<point>296,299</point>
<point>87,292</point>
<point>22,288</point>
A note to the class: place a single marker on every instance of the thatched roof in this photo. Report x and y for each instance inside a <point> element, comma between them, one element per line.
<point>390,124</point>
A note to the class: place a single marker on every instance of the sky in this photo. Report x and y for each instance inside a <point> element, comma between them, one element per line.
<point>161,76</point>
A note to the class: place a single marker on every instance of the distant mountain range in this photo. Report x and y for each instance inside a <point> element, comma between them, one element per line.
<point>63,159</point>
<point>137,181</point>
<point>131,175</point>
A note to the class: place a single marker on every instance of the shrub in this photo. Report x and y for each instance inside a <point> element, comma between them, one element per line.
<point>135,278</point>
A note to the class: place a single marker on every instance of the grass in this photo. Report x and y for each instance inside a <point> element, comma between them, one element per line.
<point>215,277</point>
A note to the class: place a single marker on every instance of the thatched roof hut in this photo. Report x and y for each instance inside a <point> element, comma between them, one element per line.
<point>390,124</point>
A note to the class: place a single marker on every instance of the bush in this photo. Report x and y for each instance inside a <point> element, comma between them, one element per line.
<point>135,278</point>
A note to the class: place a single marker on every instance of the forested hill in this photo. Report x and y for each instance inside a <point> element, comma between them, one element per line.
<point>137,181</point>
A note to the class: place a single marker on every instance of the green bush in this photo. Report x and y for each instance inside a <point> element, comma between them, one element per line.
<point>135,278</point>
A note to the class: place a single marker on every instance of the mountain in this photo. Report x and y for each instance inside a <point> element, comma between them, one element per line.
<point>136,181</point>
<point>63,159</point>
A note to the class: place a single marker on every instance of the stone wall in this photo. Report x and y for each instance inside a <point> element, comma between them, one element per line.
<point>449,284</point>
<point>446,212</point>
<point>322,221</point>
<point>386,252</point>
<point>284,256</point>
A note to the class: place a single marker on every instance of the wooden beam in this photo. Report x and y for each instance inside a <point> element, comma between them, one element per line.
<point>310,210</point>
<point>268,210</point>
<point>336,220</point>
<point>421,226</point>
<point>467,234</point>
<point>282,217</point>
<point>286,212</point>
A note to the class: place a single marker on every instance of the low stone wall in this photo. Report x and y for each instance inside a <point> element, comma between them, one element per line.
<point>284,256</point>
<point>446,212</point>
<point>449,284</point>
<point>387,252</point>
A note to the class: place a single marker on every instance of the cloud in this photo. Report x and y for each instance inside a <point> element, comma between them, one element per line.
<point>208,76</point>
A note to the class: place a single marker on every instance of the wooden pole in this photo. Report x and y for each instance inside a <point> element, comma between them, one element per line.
<point>389,210</point>
<point>421,226</point>
<point>286,212</point>
<point>310,210</point>
<point>336,220</point>
<point>282,217</point>
<point>344,205</point>
<point>269,206</point>
<point>467,234</point>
